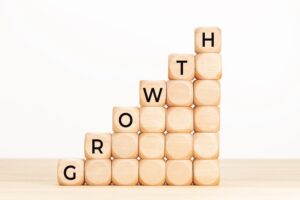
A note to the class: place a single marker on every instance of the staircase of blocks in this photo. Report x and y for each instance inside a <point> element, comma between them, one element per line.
<point>172,138</point>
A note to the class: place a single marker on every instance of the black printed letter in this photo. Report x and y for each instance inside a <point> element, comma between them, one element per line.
<point>130,120</point>
<point>181,65</point>
<point>65,172</point>
<point>212,39</point>
<point>152,91</point>
<point>94,147</point>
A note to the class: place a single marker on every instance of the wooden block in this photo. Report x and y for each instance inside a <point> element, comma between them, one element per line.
<point>97,145</point>
<point>206,172</point>
<point>98,172</point>
<point>207,40</point>
<point>181,66</point>
<point>179,172</point>
<point>125,145</point>
<point>152,93</point>
<point>152,172</point>
<point>206,145</point>
<point>207,119</point>
<point>208,66</point>
<point>179,146</point>
<point>70,172</point>
<point>126,119</point>
<point>152,119</point>
<point>179,120</point>
<point>179,93</point>
<point>207,92</point>
<point>125,171</point>
<point>151,145</point>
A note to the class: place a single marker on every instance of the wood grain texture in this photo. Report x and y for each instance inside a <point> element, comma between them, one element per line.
<point>151,145</point>
<point>179,172</point>
<point>208,66</point>
<point>206,146</point>
<point>207,119</point>
<point>35,179</point>
<point>179,93</point>
<point>152,119</point>
<point>125,172</point>
<point>207,92</point>
<point>206,172</point>
<point>152,172</point>
<point>179,120</point>
<point>125,145</point>
<point>179,146</point>
<point>97,172</point>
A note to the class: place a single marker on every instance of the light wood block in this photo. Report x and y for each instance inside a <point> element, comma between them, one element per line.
<point>208,40</point>
<point>179,146</point>
<point>98,172</point>
<point>151,145</point>
<point>181,67</point>
<point>206,145</point>
<point>206,172</point>
<point>179,172</point>
<point>207,119</point>
<point>179,93</point>
<point>179,120</point>
<point>125,145</point>
<point>126,119</point>
<point>152,119</point>
<point>207,92</point>
<point>152,172</point>
<point>125,171</point>
<point>152,93</point>
<point>208,66</point>
<point>255,179</point>
<point>97,145</point>
<point>70,172</point>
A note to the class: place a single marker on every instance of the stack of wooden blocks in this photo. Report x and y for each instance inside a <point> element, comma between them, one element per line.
<point>172,138</point>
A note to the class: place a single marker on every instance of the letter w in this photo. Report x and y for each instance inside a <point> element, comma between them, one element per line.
<point>152,91</point>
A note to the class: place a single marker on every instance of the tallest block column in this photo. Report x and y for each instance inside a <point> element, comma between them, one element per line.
<point>208,71</point>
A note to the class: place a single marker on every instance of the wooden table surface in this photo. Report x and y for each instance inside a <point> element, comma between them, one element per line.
<point>241,179</point>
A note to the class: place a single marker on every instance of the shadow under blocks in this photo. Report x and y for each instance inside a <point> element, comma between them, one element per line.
<point>171,138</point>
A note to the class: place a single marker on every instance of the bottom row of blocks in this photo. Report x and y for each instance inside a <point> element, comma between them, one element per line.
<point>133,172</point>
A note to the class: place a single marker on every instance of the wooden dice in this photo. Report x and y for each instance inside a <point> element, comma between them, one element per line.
<point>152,119</point>
<point>125,171</point>
<point>125,145</point>
<point>171,138</point>
<point>207,93</point>
<point>206,172</point>
<point>181,67</point>
<point>152,172</point>
<point>179,119</point>
<point>179,93</point>
<point>97,145</point>
<point>126,119</point>
<point>152,93</point>
<point>70,172</point>
<point>179,172</point>
<point>98,172</point>
<point>151,146</point>
<point>208,40</point>
<point>179,146</point>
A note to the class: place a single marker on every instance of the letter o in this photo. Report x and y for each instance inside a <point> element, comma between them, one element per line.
<point>130,120</point>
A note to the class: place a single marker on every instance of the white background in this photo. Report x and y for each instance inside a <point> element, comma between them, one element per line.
<point>65,64</point>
